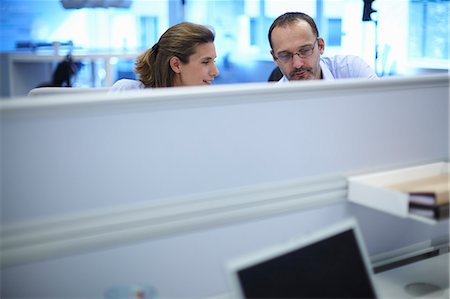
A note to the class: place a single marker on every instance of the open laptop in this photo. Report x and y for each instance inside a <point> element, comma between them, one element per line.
<point>329,263</point>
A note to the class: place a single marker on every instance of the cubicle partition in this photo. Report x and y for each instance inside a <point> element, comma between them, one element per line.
<point>160,187</point>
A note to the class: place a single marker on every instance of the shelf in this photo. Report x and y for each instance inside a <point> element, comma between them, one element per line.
<point>372,189</point>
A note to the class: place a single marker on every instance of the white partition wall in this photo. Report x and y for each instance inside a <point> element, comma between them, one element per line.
<point>86,152</point>
<point>184,178</point>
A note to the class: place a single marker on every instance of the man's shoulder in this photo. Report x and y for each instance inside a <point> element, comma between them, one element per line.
<point>347,66</point>
<point>341,59</point>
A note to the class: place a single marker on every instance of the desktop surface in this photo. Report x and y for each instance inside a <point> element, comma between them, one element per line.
<point>427,278</point>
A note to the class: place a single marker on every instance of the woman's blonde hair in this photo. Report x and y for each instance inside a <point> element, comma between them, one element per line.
<point>181,40</point>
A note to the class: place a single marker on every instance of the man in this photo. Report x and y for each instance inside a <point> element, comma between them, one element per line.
<point>297,48</point>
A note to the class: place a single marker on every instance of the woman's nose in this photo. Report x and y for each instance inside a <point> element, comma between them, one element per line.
<point>216,71</point>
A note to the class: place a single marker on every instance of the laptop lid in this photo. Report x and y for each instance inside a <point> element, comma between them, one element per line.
<point>329,263</point>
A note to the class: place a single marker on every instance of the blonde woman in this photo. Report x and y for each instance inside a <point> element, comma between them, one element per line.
<point>183,56</point>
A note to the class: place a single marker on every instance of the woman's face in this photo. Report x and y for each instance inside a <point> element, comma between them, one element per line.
<point>201,68</point>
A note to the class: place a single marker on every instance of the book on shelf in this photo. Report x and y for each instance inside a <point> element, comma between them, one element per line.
<point>428,197</point>
<point>430,211</point>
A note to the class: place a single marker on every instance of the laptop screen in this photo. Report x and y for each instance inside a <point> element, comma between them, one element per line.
<point>326,266</point>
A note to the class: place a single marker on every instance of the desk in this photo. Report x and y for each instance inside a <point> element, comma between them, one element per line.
<point>26,70</point>
<point>392,283</point>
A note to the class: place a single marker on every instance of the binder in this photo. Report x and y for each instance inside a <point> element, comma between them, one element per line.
<point>430,211</point>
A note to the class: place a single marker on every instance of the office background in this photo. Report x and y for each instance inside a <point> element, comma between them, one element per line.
<point>94,184</point>
<point>401,37</point>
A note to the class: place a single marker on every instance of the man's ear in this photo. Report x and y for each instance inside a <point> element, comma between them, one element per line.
<point>321,45</point>
<point>274,59</point>
<point>175,64</point>
<point>273,55</point>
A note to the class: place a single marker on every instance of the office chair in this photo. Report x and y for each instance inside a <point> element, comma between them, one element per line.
<point>275,75</point>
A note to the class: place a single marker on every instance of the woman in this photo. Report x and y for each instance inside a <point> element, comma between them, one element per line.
<point>183,56</point>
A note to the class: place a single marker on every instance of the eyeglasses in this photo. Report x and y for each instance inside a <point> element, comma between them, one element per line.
<point>304,52</point>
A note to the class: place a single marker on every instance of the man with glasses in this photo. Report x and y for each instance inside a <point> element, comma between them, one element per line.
<point>297,48</point>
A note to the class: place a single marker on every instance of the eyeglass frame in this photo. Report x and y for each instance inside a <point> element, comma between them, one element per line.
<point>291,55</point>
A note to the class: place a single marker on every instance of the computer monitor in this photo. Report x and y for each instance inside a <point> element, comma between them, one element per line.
<point>329,263</point>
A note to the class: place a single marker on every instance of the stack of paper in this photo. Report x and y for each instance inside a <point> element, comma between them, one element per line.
<point>429,196</point>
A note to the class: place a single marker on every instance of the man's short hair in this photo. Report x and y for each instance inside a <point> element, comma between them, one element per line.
<point>290,18</point>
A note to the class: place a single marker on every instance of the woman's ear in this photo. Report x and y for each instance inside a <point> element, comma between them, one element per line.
<point>175,64</point>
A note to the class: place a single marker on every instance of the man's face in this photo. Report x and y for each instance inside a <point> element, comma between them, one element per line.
<point>296,51</point>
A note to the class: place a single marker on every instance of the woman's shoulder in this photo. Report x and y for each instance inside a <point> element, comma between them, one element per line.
<point>126,84</point>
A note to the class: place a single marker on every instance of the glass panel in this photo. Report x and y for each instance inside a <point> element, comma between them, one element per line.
<point>429,33</point>
<point>334,32</point>
<point>437,30</point>
<point>274,8</point>
<point>416,29</point>
<point>148,30</point>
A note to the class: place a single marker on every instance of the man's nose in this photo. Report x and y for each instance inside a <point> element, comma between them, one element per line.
<point>297,61</point>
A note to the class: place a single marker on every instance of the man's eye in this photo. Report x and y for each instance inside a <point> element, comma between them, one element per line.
<point>284,56</point>
<point>306,50</point>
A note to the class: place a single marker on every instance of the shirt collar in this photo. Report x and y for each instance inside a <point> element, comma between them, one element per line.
<point>326,73</point>
<point>284,79</point>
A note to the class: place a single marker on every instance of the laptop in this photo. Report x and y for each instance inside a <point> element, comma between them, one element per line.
<point>329,263</point>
